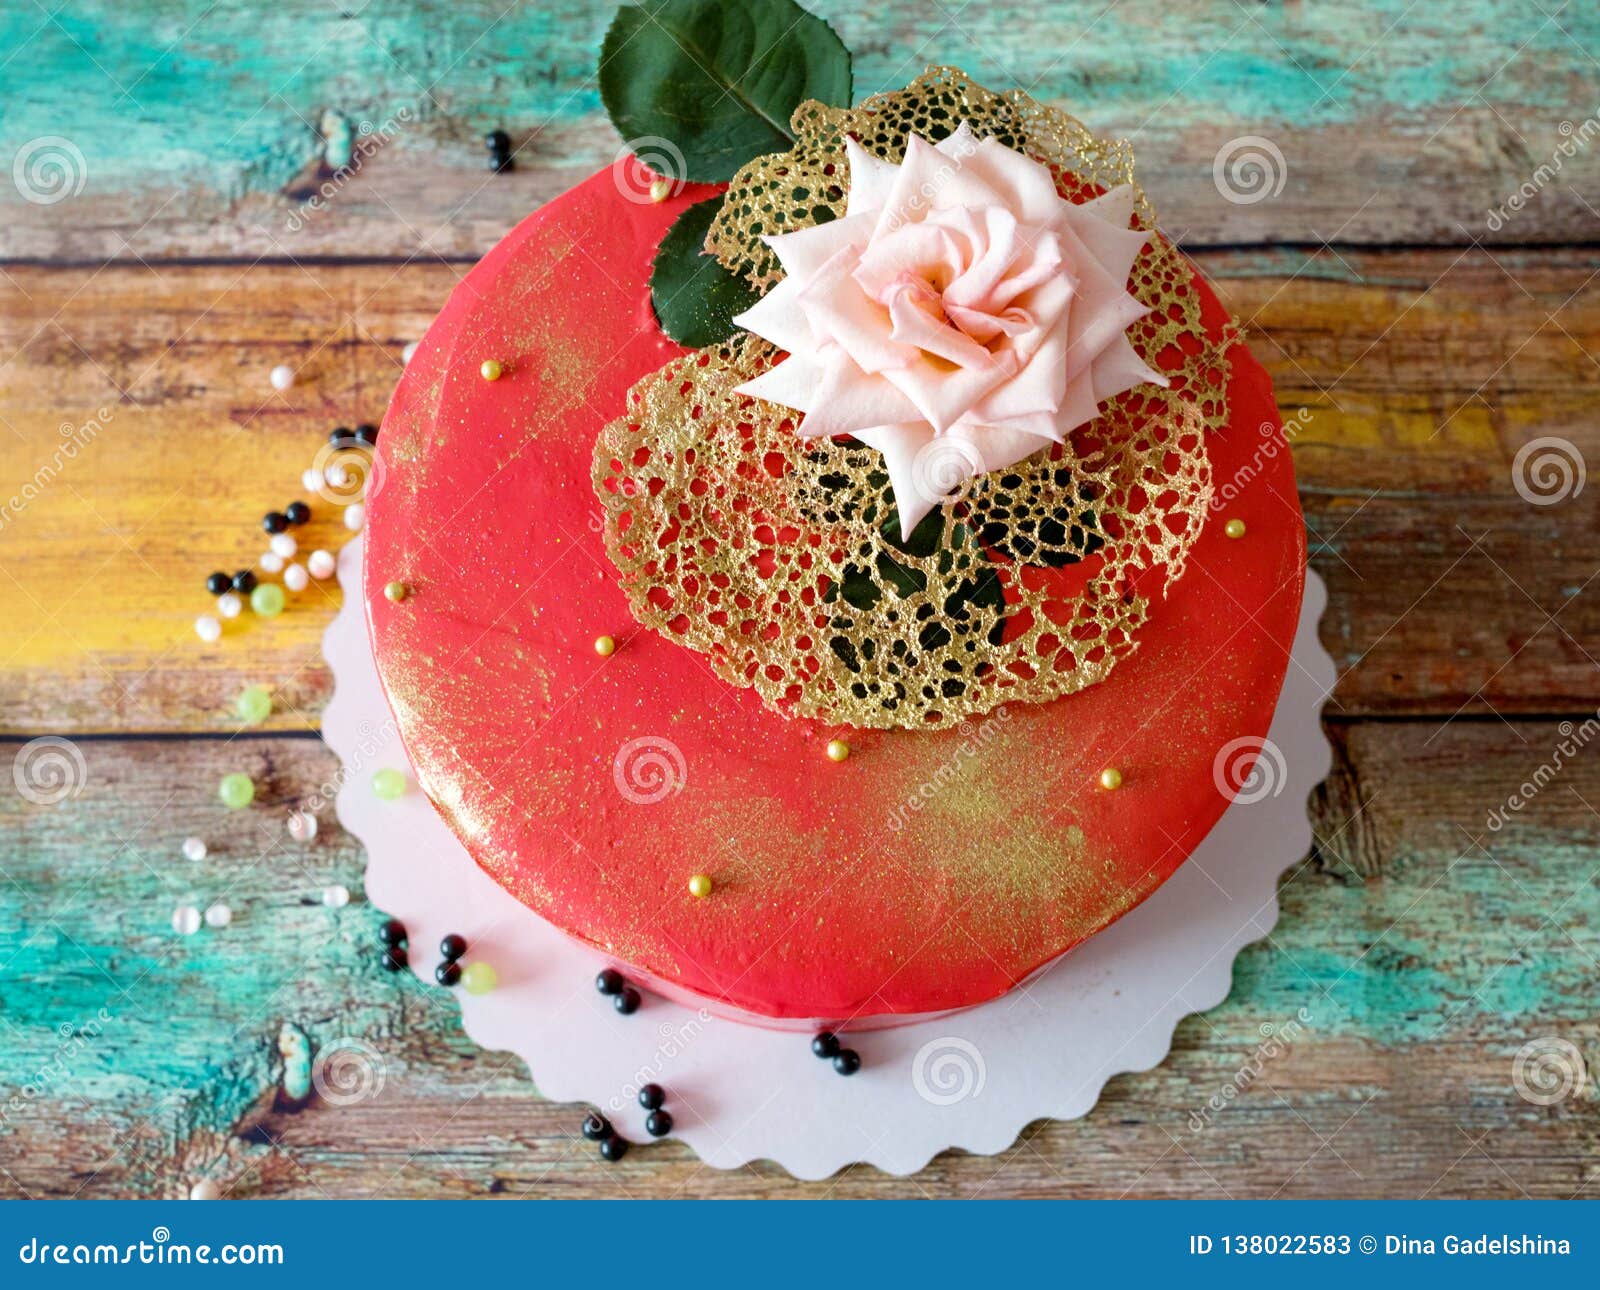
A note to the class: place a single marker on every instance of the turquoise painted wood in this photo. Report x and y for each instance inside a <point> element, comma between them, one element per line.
<point>1394,121</point>
<point>1408,967</point>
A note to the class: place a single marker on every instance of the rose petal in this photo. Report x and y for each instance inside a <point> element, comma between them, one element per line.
<point>839,311</point>
<point>1025,187</point>
<point>793,383</point>
<point>777,317</point>
<point>900,443</point>
<point>871,180</point>
<point>846,400</point>
<point>804,252</point>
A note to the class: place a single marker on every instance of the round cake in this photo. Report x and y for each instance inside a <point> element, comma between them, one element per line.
<point>640,670</point>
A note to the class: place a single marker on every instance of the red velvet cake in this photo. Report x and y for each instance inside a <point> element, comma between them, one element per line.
<point>742,699</point>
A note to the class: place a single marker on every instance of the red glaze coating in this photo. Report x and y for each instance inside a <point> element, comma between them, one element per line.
<point>834,897</point>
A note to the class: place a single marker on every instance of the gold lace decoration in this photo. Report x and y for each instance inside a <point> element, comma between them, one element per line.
<point>779,558</point>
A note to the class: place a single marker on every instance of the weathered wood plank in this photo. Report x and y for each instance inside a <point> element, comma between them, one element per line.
<point>1424,949</point>
<point>1420,375</point>
<point>195,124</point>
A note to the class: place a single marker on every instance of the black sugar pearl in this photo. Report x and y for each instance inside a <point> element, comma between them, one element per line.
<point>609,981</point>
<point>497,141</point>
<point>448,972</point>
<point>393,932</point>
<point>244,582</point>
<point>847,1061</point>
<point>217,583</point>
<point>340,436</point>
<point>658,1124</point>
<point>394,958</point>
<point>453,946</point>
<point>274,521</point>
<point>627,1002</point>
<point>651,1097</point>
<point>297,512</point>
<point>613,1148</point>
<point>367,433</point>
<point>596,1127</point>
<point>826,1045</point>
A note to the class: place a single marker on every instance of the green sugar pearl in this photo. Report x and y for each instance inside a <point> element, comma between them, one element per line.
<point>267,600</point>
<point>388,784</point>
<point>479,978</point>
<point>254,705</point>
<point>236,790</point>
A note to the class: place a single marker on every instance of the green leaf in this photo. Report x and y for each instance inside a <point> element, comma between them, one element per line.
<point>718,79</point>
<point>695,298</point>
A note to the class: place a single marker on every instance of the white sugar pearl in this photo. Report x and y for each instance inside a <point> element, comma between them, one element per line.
<point>218,915</point>
<point>205,1189</point>
<point>207,628</point>
<point>186,920</point>
<point>311,479</point>
<point>282,376</point>
<point>284,545</point>
<point>409,352</point>
<point>321,564</point>
<point>302,826</point>
<point>229,603</point>
<point>270,562</point>
<point>295,577</point>
<point>337,476</point>
<point>354,517</point>
<point>336,896</point>
<point>194,848</point>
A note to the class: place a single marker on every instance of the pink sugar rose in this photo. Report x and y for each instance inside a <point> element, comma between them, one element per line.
<point>959,318</point>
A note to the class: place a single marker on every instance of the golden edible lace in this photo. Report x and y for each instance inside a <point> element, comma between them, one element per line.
<point>780,558</point>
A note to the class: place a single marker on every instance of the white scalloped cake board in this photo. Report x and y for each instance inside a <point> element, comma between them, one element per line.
<point>739,1093</point>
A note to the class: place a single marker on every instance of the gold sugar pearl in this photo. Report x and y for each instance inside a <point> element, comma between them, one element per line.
<point>1110,779</point>
<point>491,369</point>
<point>700,886</point>
<point>605,646</point>
<point>395,591</point>
<point>838,750</point>
<point>1234,528</point>
<point>660,190</point>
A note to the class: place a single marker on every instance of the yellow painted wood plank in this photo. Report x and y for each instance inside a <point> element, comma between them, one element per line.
<point>1420,375</point>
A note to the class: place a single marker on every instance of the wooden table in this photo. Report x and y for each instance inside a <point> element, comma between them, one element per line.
<point>1428,327</point>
